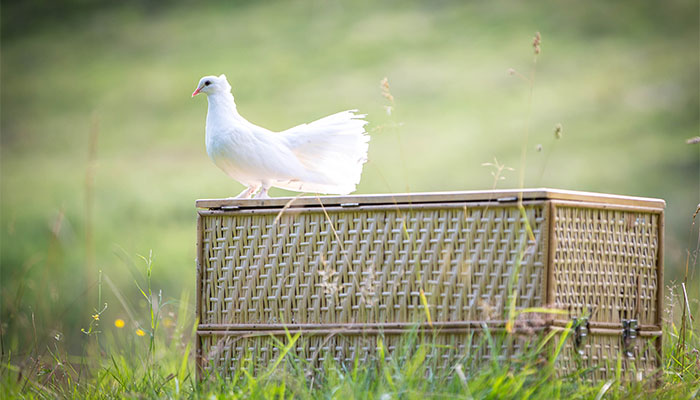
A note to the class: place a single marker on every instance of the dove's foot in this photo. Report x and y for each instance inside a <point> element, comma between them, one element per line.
<point>262,194</point>
<point>248,193</point>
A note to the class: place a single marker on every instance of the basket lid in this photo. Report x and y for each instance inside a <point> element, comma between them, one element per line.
<point>497,196</point>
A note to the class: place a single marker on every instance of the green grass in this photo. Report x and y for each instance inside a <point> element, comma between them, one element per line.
<point>621,79</point>
<point>118,363</point>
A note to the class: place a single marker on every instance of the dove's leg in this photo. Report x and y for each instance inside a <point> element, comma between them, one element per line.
<point>246,194</point>
<point>262,194</point>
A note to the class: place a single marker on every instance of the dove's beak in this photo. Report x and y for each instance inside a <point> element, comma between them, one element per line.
<point>196,92</point>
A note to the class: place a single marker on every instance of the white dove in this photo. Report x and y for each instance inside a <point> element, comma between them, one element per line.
<point>324,156</point>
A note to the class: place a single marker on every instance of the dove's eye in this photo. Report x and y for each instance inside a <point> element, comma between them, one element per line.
<point>207,83</point>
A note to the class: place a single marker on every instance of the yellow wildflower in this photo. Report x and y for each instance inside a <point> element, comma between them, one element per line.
<point>119,323</point>
<point>96,317</point>
<point>140,332</point>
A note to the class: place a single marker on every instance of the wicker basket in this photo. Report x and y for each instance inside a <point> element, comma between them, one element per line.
<point>345,270</point>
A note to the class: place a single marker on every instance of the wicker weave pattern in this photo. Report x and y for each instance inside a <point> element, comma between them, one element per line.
<point>605,263</point>
<point>292,271</point>
<point>444,349</point>
<point>600,355</point>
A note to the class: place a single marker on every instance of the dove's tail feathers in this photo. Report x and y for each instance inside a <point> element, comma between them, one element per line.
<point>332,150</point>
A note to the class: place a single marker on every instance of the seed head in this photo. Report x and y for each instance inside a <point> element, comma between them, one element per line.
<point>386,91</point>
<point>536,42</point>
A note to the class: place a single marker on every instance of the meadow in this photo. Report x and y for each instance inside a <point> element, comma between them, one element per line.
<point>102,157</point>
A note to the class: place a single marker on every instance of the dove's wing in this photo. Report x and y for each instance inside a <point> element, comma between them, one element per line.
<point>253,155</point>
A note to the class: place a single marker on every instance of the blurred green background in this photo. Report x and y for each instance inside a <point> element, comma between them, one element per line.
<point>621,78</point>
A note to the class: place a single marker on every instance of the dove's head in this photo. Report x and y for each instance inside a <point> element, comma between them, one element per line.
<point>212,84</point>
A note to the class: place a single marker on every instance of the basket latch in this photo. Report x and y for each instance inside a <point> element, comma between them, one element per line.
<point>581,330</point>
<point>630,330</point>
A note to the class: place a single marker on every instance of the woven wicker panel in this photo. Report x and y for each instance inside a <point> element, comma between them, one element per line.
<point>256,270</point>
<point>225,353</point>
<point>605,263</point>
<point>600,356</point>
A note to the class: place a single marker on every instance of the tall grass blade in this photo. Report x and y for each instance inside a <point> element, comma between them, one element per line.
<point>604,389</point>
<point>426,307</point>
